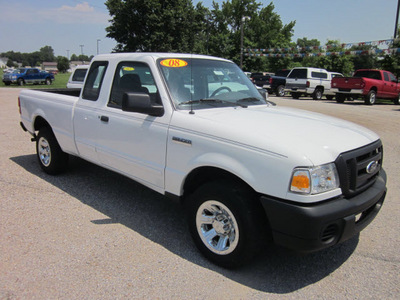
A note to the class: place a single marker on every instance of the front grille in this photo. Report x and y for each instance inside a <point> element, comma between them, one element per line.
<point>355,169</point>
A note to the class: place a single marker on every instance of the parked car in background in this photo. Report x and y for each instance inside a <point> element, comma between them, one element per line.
<point>261,79</point>
<point>277,83</point>
<point>77,77</point>
<point>368,84</point>
<point>329,94</point>
<point>312,82</point>
<point>23,76</point>
<point>10,70</point>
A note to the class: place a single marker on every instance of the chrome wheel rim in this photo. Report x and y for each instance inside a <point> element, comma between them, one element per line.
<point>281,91</point>
<point>372,98</point>
<point>217,227</point>
<point>44,152</point>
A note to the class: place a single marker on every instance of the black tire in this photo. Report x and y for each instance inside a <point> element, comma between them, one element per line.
<point>295,95</point>
<point>397,100</point>
<point>7,83</point>
<point>51,158</point>
<point>280,91</point>
<point>317,95</point>
<point>226,222</point>
<point>370,99</point>
<point>48,81</point>
<point>340,98</point>
<point>21,82</point>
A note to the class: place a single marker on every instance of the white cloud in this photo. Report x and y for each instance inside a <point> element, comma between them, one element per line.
<point>81,13</point>
<point>83,7</point>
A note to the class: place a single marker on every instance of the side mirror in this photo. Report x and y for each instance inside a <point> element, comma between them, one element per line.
<point>141,103</point>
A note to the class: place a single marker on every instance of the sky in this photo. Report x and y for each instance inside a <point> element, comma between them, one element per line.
<point>28,25</point>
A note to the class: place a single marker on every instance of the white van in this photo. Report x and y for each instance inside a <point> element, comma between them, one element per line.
<point>310,82</point>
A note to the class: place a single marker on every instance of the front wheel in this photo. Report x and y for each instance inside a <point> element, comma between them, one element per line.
<point>225,222</point>
<point>20,82</point>
<point>397,100</point>
<point>48,81</point>
<point>51,158</point>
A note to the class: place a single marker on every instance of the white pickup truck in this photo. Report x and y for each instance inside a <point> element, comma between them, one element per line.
<point>195,128</point>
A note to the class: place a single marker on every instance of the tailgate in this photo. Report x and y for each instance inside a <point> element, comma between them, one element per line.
<point>347,83</point>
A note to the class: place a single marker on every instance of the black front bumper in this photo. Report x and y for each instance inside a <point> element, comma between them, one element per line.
<point>308,228</point>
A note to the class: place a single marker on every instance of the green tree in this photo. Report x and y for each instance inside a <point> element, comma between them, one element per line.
<point>264,30</point>
<point>62,64</point>
<point>47,54</point>
<point>152,25</point>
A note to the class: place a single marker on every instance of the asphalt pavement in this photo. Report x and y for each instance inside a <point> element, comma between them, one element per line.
<point>94,234</point>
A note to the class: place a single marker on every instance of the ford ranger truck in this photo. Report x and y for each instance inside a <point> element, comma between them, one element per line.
<point>368,85</point>
<point>195,129</point>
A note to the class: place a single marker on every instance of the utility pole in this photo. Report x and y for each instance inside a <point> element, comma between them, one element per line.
<point>397,20</point>
<point>68,54</point>
<point>82,52</point>
<point>98,40</point>
<point>244,18</point>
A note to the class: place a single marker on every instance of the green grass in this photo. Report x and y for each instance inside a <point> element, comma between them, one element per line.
<point>60,82</point>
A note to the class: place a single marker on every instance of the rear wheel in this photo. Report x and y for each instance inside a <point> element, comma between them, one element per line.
<point>280,91</point>
<point>317,95</point>
<point>51,158</point>
<point>340,98</point>
<point>295,95</point>
<point>226,222</point>
<point>370,99</point>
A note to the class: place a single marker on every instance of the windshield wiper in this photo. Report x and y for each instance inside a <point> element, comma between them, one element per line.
<point>254,99</point>
<point>211,100</point>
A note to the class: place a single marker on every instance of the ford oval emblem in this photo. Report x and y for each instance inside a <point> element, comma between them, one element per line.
<point>372,166</point>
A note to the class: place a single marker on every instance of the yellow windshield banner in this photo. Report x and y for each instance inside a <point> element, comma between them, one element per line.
<point>173,63</point>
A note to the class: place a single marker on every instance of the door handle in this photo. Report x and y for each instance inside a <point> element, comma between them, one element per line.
<point>104,119</point>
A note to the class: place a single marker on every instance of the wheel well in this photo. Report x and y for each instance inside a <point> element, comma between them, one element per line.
<point>202,175</point>
<point>320,87</point>
<point>374,88</point>
<point>40,122</point>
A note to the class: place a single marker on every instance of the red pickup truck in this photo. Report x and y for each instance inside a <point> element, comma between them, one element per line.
<point>367,84</point>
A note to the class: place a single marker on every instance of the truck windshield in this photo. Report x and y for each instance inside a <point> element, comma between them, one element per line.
<point>19,71</point>
<point>195,83</point>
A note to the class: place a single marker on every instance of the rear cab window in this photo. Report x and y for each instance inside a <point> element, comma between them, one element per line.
<point>94,80</point>
<point>298,73</point>
<point>321,75</point>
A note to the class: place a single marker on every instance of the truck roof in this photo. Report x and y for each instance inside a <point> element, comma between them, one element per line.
<point>154,55</point>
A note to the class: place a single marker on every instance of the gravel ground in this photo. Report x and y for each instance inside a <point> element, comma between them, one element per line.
<point>93,234</point>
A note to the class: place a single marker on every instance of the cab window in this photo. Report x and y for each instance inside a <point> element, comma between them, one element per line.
<point>132,77</point>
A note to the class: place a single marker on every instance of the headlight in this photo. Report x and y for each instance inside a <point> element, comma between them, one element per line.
<point>314,180</point>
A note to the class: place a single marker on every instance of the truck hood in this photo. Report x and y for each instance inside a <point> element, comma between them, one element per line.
<point>310,137</point>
